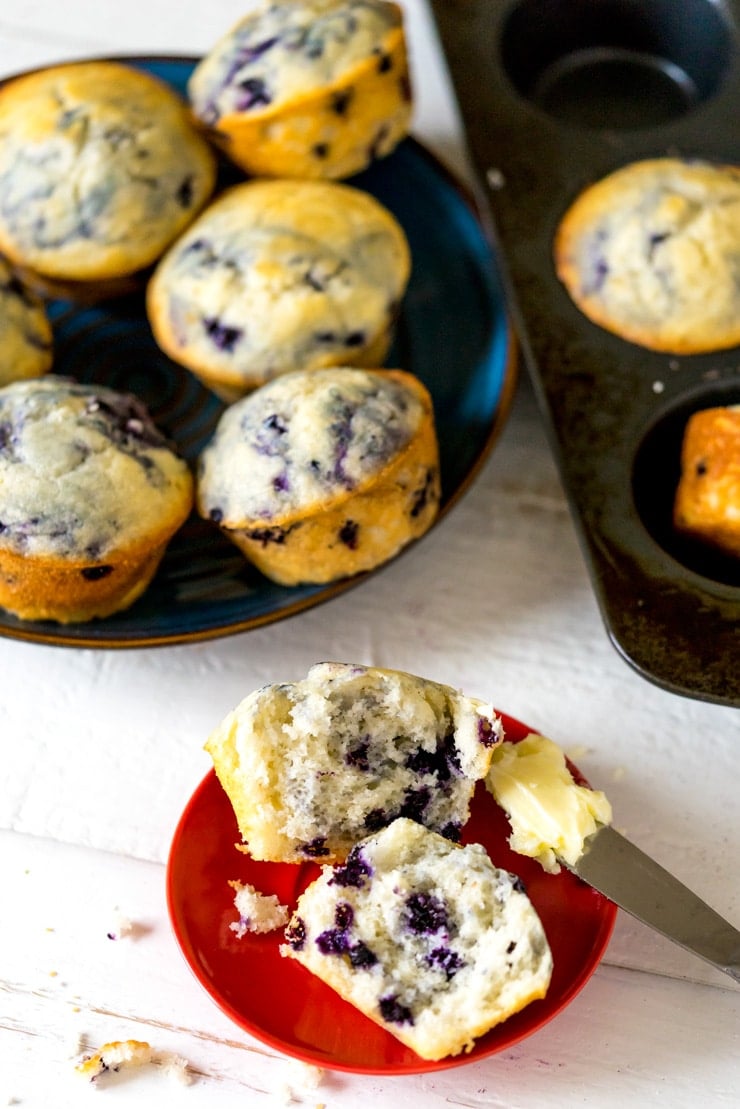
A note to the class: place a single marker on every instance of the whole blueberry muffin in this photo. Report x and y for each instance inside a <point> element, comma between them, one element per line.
<point>428,939</point>
<point>277,276</point>
<point>100,169</point>
<point>313,766</point>
<point>90,495</point>
<point>307,88</point>
<point>26,341</point>
<point>707,504</point>
<point>651,253</point>
<point>323,474</point>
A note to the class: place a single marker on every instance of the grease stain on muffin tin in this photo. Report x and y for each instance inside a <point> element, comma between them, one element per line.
<point>557,94</point>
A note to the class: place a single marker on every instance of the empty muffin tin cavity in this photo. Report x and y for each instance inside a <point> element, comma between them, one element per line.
<point>615,63</point>
<point>556,95</point>
<point>655,477</point>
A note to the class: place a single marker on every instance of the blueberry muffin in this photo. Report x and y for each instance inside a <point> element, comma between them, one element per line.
<point>278,276</point>
<point>707,503</point>
<point>311,767</point>
<point>307,88</point>
<point>324,474</point>
<point>651,253</point>
<point>26,340</point>
<point>100,170</point>
<point>430,940</point>
<point>90,494</point>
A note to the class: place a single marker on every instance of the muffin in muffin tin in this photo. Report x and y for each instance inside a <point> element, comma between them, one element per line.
<point>90,494</point>
<point>100,169</point>
<point>308,88</point>
<point>707,504</point>
<point>278,276</point>
<point>323,474</point>
<point>650,253</point>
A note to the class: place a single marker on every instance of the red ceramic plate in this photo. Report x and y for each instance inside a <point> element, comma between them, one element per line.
<point>280,1003</point>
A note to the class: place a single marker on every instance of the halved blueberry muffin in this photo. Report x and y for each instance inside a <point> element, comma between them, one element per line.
<point>428,939</point>
<point>313,766</point>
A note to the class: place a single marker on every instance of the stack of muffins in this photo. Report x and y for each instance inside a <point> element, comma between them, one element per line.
<point>280,294</point>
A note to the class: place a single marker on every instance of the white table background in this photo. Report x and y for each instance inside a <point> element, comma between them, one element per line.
<point>101,750</point>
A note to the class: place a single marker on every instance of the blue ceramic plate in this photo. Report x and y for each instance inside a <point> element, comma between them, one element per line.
<point>454,334</point>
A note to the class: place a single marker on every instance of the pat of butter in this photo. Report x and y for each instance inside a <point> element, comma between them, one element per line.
<point>550,814</point>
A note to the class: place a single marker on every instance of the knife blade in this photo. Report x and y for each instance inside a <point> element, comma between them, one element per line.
<point>644,889</point>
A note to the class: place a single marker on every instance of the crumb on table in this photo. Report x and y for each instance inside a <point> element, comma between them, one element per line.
<point>113,1056</point>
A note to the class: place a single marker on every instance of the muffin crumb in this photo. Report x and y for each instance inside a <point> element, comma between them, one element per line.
<point>258,912</point>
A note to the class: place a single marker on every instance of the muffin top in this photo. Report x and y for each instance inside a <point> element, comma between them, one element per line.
<point>279,275</point>
<point>289,50</point>
<point>100,169</point>
<point>25,331</point>
<point>651,253</point>
<point>304,439</point>
<point>83,471</point>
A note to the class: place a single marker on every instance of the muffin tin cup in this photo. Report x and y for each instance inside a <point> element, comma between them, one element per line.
<point>555,95</point>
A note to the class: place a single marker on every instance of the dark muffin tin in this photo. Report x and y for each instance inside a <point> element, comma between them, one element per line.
<point>556,94</point>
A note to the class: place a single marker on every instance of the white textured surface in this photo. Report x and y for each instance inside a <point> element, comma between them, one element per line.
<point>628,1038</point>
<point>101,750</point>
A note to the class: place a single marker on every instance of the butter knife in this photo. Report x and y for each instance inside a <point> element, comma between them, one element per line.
<point>640,886</point>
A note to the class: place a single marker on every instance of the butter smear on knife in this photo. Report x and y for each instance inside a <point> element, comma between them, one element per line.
<point>551,816</point>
